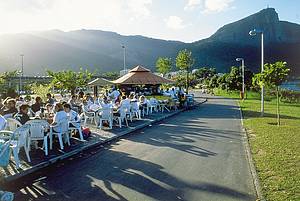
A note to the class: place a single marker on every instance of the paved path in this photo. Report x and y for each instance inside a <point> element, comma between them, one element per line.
<point>197,155</point>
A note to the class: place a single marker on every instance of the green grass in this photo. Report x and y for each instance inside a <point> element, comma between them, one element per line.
<point>275,149</point>
<point>158,97</point>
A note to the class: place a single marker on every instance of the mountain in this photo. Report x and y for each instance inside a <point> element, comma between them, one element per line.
<point>102,50</point>
<point>281,42</point>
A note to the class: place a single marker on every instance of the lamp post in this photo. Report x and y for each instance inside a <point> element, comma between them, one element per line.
<point>21,73</point>
<point>124,58</point>
<point>254,32</point>
<point>243,76</point>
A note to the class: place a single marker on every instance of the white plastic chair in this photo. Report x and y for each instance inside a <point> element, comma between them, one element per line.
<point>37,132</point>
<point>122,117</point>
<point>61,130</point>
<point>135,110</point>
<point>106,115</point>
<point>5,154</point>
<point>20,139</point>
<point>75,125</point>
<point>88,116</point>
<point>127,108</point>
<point>152,105</point>
<point>5,138</point>
<point>12,124</point>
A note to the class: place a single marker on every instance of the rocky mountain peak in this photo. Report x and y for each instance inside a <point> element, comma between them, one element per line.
<point>267,20</point>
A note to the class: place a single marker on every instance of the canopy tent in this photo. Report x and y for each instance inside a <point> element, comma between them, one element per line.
<point>99,82</point>
<point>141,76</point>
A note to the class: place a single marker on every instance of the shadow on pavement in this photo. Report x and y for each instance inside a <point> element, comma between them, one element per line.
<point>94,175</point>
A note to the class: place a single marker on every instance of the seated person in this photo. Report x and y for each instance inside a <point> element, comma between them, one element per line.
<point>73,103</point>
<point>50,99</point>
<point>37,105</point>
<point>105,103</point>
<point>114,94</point>
<point>73,115</point>
<point>22,115</point>
<point>125,102</point>
<point>49,110</point>
<point>10,108</point>
<point>59,116</point>
<point>19,101</point>
<point>143,102</point>
<point>133,98</point>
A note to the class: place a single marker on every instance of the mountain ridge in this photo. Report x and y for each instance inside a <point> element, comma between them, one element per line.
<point>102,51</point>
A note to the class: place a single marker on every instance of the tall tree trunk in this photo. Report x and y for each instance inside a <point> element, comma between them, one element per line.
<point>278,114</point>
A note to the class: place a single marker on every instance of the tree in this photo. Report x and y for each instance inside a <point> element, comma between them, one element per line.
<point>40,90</point>
<point>164,65</point>
<point>110,75</point>
<point>70,80</point>
<point>180,80</point>
<point>205,72</point>
<point>5,87</point>
<point>184,61</point>
<point>273,76</point>
<point>234,79</point>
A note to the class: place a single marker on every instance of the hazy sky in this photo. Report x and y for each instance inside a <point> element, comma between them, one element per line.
<point>185,20</point>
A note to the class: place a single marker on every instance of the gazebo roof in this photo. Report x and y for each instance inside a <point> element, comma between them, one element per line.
<point>140,76</point>
<point>100,82</point>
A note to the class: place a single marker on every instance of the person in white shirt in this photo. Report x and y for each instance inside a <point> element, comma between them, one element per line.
<point>143,102</point>
<point>2,122</point>
<point>72,115</point>
<point>173,93</point>
<point>105,103</point>
<point>114,94</point>
<point>59,116</point>
<point>125,102</point>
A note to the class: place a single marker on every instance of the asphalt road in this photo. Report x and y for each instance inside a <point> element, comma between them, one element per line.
<point>197,155</point>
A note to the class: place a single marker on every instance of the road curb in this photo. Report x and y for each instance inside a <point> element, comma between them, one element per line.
<point>9,179</point>
<point>255,178</point>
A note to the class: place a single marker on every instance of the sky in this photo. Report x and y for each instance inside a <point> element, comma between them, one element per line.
<point>183,20</point>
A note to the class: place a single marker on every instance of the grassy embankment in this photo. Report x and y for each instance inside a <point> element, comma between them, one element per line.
<point>276,150</point>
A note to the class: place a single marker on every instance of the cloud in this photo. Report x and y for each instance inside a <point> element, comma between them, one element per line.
<point>174,22</point>
<point>140,8</point>
<point>71,14</point>
<point>192,4</point>
<point>208,6</point>
<point>215,6</point>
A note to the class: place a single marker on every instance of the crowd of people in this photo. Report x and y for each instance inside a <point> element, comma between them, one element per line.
<point>54,110</point>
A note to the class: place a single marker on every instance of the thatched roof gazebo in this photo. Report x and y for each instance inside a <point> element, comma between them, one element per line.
<point>141,76</point>
<point>141,79</point>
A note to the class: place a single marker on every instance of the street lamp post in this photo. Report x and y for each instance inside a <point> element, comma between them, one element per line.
<point>243,76</point>
<point>22,73</point>
<point>124,57</point>
<point>254,32</point>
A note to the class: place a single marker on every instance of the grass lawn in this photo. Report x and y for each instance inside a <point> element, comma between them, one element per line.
<point>158,97</point>
<point>276,150</point>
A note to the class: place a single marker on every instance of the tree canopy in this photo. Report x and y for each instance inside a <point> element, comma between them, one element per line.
<point>273,76</point>
<point>184,60</point>
<point>164,65</point>
<point>70,80</point>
